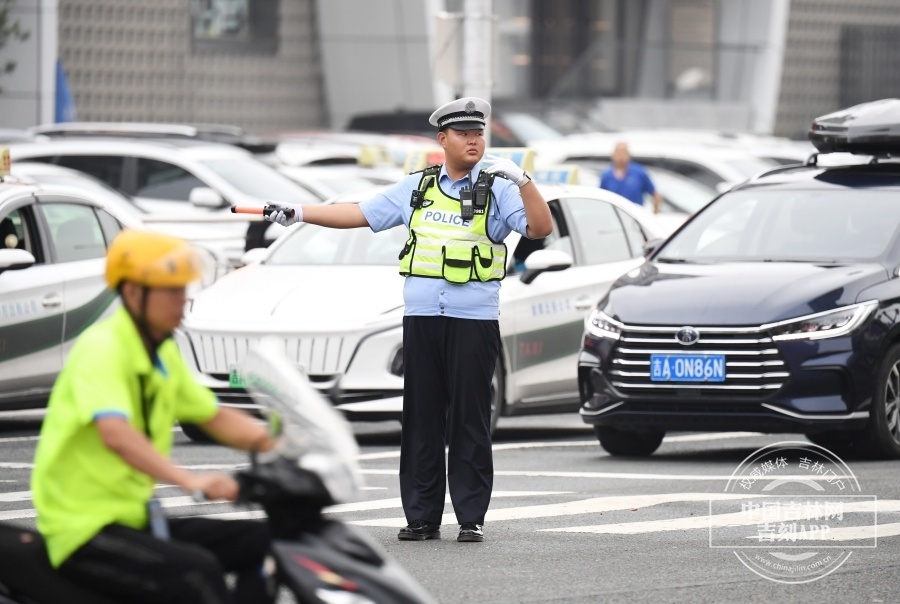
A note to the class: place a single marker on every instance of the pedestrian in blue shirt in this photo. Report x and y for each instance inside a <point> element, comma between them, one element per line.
<point>629,179</point>
<point>457,216</point>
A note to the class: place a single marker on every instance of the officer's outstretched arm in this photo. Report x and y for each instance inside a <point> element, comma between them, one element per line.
<point>336,216</point>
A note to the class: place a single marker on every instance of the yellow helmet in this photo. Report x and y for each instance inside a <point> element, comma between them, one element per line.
<point>151,259</point>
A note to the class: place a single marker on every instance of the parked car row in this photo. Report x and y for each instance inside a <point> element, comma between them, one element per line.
<point>774,307</point>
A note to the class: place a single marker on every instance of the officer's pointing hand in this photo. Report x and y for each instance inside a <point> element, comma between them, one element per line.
<point>507,169</point>
<point>281,213</point>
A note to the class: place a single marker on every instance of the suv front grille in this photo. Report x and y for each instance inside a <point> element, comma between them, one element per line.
<point>753,366</point>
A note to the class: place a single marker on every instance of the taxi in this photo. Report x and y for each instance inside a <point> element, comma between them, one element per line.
<point>53,241</point>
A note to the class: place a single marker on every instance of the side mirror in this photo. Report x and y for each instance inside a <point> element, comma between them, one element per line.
<point>204,197</point>
<point>542,261</point>
<point>13,260</point>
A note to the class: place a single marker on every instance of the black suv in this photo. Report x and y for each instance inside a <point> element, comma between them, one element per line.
<point>776,308</point>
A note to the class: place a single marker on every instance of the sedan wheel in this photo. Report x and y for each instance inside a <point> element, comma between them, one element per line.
<point>628,444</point>
<point>883,431</point>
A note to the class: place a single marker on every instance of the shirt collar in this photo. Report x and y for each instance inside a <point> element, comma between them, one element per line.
<point>445,177</point>
<point>132,341</point>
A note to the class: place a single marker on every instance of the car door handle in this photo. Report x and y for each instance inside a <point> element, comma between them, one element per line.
<point>584,304</point>
<point>51,301</point>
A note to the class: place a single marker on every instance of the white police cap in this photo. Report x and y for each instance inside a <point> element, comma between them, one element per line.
<point>467,113</point>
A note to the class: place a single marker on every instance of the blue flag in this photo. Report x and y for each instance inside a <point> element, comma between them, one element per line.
<point>65,106</point>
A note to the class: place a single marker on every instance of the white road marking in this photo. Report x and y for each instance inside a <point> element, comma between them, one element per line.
<point>619,475</point>
<point>595,505</point>
<point>18,439</point>
<point>705,521</point>
<point>378,504</point>
<point>582,443</point>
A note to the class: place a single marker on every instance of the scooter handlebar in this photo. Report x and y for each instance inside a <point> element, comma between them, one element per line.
<point>266,211</point>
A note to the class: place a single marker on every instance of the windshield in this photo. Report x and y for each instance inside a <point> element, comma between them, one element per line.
<point>259,180</point>
<point>682,194</point>
<point>529,128</point>
<point>97,188</point>
<point>339,247</point>
<point>785,225</point>
<point>312,432</point>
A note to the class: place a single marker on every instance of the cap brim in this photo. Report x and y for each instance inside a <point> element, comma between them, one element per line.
<point>465,126</point>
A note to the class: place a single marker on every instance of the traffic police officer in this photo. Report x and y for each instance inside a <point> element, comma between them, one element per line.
<point>457,216</point>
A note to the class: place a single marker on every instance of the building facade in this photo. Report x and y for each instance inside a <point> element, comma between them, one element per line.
<point>276,65</point>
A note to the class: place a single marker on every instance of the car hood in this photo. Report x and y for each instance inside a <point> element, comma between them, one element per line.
<point>735,293</point>
<point>288,298</point>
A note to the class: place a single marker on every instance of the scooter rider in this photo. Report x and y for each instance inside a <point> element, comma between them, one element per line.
<point>106,441</point>
<point>457,216</point>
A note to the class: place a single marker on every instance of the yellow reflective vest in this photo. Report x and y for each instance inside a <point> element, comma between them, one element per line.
<point>443,245</point>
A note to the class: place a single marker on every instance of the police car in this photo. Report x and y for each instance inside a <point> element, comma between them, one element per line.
<point>776,308</point>
<point>334,298</point>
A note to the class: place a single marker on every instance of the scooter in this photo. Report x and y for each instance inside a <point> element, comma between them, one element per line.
<point>318,560</point>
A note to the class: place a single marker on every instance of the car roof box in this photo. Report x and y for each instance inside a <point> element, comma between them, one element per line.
<point>869,128</point>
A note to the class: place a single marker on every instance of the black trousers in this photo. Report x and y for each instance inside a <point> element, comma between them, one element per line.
<point>129,565</point>
<point>448,365</point>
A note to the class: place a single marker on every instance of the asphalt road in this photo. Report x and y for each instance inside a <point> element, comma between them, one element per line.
<point>570,524</point>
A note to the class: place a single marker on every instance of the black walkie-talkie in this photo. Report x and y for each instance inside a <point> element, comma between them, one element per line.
<point>467,210</point>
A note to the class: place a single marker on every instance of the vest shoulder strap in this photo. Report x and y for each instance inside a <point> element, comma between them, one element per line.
<point>429,176</point>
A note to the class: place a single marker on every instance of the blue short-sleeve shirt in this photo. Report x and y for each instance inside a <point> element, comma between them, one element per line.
<point>425,296</point>
<point>633,186</point>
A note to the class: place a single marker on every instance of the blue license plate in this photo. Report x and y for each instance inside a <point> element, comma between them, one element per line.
<point>687,367</point>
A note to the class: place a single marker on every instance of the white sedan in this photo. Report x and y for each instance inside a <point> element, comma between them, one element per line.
<point>334,297</point>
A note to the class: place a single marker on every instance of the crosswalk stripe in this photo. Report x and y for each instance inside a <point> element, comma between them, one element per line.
<point>570,508</point>
<point>705,521</point>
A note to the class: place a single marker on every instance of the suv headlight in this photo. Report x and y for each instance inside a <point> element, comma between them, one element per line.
<point>601,325</point>
<point>828,324</point>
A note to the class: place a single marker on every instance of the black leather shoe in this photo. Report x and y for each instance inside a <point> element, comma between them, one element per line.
<point>469,531</point>
<point>419,530</point>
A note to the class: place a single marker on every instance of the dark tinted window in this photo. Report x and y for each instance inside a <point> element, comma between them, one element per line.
<point>162,180</point>
<point>107,168</point>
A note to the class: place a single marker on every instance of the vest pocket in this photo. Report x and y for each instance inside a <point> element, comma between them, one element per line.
<point>483,261</point>
<point>457,263</point>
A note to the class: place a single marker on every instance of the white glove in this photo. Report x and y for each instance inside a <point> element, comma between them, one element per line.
<point>507,169</point>
<point>282,213</point>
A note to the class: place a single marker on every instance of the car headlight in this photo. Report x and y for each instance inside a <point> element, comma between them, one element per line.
<point>828,324</point>
<point>601,325</point>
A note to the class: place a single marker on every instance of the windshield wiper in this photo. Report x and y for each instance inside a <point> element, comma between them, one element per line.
<point>672,260</point>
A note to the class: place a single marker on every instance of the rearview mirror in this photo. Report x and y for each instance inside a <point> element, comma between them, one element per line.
<point>15,259</point>
<point>542,261</point>
<point>204,197</point>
